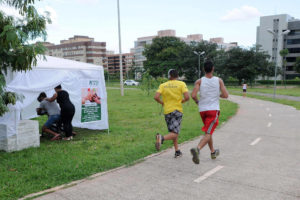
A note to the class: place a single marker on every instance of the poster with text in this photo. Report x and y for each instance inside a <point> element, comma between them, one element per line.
<point>90,101</point>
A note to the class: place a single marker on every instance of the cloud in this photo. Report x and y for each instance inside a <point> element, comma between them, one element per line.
<point>241,14</point>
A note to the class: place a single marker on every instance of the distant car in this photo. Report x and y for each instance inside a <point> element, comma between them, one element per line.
<point>131,82</point>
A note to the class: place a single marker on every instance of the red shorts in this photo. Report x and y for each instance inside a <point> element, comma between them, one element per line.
<point>210,120</point>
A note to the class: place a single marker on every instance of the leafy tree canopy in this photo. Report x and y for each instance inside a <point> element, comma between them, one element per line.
<point>16,52</point>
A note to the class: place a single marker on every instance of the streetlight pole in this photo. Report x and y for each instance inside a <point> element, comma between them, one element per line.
<point>199,54</point>
<point>276,36</point>
<point>120,51</point>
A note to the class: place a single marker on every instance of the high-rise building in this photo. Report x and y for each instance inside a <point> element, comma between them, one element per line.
<point>113,62</point>
<point>79,48</point>
<point>277,32</point>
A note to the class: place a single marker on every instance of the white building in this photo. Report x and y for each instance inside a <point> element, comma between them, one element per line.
<point>277,32</point>
<point>267,41</point>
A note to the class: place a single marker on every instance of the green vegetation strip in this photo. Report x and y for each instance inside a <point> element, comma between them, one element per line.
<point>295,104</point>
<point>134,120</point>
<point>289,91</point>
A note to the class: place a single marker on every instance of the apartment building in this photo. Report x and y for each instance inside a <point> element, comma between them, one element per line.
<point>277,32</point>
<point>222,45</point>
<point>113,62</point>
<point>79,48</point>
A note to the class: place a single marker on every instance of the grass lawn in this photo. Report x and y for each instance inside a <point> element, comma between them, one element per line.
<point>294,91</point>
<point>295,104</point>
<point>134,119</point>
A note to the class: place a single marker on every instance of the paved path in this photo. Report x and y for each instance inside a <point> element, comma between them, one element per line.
<point>278,96</point>
<point>260,159</point>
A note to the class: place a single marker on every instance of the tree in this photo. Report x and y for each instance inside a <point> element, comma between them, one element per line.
<point>163,54</point>
<point>171,53</point>
<point>149,83</point>
<point>297,65</point>
<point>16,54</point>
<point>189,60</point>
<point>246,64</point>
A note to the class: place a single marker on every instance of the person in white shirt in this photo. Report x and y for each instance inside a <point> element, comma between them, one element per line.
<point>209,87</point>
<point>244,89</point>
<point>53,112</point>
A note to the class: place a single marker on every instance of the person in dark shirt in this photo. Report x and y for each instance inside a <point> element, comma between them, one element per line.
<point>67,110</point>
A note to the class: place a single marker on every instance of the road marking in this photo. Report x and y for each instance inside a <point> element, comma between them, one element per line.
<point>209,173</point>
<point>255,141</point>
<point>270,115</point>
<point>269,124</point>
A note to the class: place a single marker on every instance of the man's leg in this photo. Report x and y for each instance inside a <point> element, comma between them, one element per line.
<point>210,121</point>
<point>46,127</point>
<point>211,145</point>
<point>173,121</point>
<point>205,139</point>
<point>47,130</point>
<point>174,137</point>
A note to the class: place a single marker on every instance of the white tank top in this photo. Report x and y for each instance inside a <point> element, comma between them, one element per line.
<point>244,86</point>
<point>209,94</point>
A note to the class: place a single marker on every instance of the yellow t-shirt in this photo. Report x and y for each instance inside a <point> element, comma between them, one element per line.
<point>172,92</point>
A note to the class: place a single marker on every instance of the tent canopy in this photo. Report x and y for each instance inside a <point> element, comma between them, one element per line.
<point>72,75</point>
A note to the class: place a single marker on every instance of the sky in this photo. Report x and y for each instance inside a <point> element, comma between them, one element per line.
<point>234,20</point>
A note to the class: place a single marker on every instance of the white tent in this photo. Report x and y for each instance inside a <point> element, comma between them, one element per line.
<point>74,77</point>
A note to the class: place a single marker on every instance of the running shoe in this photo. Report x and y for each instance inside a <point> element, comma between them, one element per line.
<point>195,153</point>
<point>178,154</point>
<point>215,154</point>
<point>158,141</point>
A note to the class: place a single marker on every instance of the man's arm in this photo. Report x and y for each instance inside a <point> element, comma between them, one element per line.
<point>186,97</point>
<point>195,91</point>
<point>157,98</point>
<point>52,98</point>
<point>224,92</point>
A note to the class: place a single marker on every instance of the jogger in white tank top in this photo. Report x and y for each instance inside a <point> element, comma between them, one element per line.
<point>209,88</point>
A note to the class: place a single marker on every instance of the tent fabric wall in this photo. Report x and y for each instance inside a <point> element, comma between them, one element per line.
<point>48,74</point>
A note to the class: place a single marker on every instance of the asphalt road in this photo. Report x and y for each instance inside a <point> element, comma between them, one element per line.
<point>260,159</point>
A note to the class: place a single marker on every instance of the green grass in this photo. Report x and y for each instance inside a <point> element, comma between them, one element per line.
<point>295,104</point>
<point>289,91</point>
<point>134,119</point>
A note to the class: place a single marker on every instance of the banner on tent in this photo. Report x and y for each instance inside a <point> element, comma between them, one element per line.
<point>90,101</point>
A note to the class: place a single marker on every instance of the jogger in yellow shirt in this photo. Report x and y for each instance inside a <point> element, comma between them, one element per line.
<point>172,92</point>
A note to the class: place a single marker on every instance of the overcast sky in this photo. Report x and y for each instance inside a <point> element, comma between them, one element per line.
<point>234,20</point>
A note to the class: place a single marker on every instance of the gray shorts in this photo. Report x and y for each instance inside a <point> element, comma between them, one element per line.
<point>173,121</point>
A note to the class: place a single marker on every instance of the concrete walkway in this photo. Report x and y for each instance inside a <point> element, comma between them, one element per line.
<point>260,159</point>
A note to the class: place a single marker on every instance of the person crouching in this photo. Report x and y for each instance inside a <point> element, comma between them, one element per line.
<point>53,111</point>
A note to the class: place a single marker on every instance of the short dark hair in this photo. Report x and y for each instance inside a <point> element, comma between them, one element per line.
<point>208,66</point>
<point>58,87</point>
<point>173,73</point>
<point>41,96</point>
